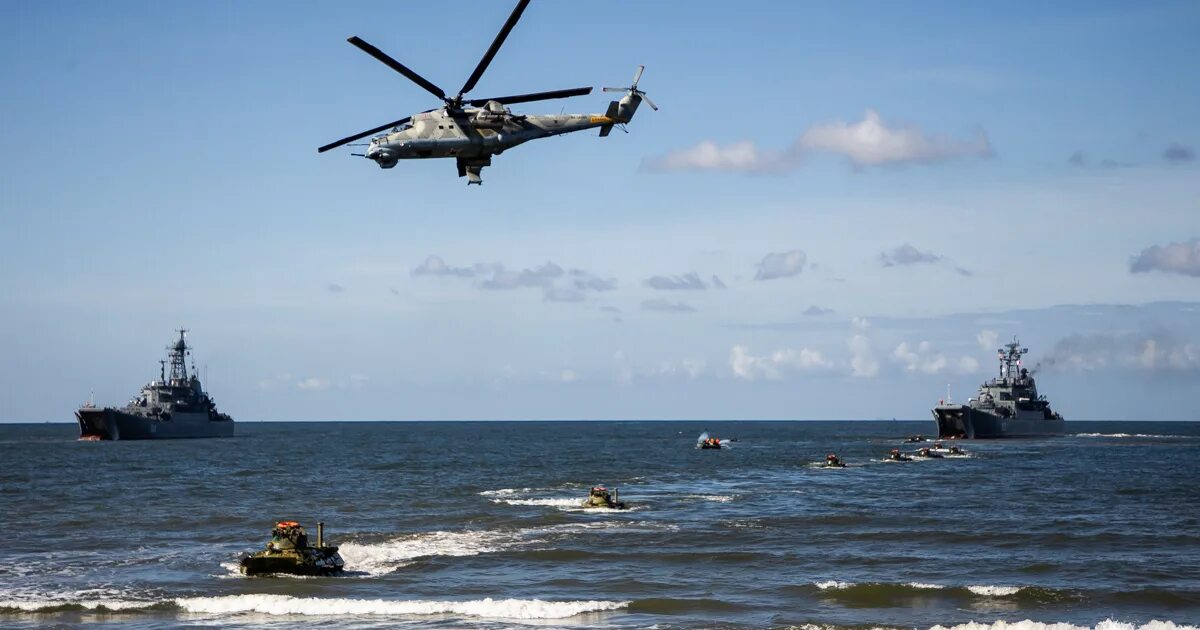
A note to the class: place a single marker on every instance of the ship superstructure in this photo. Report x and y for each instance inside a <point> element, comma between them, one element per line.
<point>174,406</point>
<point>1006,406</point>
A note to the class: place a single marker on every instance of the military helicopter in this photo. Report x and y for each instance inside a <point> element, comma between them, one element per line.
<point>473,130</point>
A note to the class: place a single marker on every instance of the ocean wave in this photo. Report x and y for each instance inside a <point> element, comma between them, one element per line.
<point>69,604</point>
<point>553,502</point>
<point>381,558</point>
<point>894,594</point>
<point>503,492</point>
<point>565,504</point>
<point>717,498</point>
<point>318,606</point>
<point>1129,435</point>
<point>1107,624</point>
<point>995,591</point>
<point>385,557</point>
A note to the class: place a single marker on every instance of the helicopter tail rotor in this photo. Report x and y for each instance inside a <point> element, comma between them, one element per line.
<point>628,104</point>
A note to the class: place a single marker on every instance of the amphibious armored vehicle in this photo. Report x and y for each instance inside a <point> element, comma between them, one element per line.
<point>289,552</point>
<point>600,497</point>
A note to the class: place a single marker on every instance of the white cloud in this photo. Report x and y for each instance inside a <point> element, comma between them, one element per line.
<point>687,282</point>
<point>868,142</point>
<point>568,376</point>
<point>1152,352</point>
<point>313,383</point>
<point>860,323</point>
<point>781,265</point>
<point>556,284</point>
<point>773,366</point>
<point>862,361</point>
<point>1182,258</point>
<point>987,339</point>
<point>922,358</point>
<point>738,157</point>
<point>907,255</point>
<point>435,266</point>
<point>872,143</point>
<point>665,305</point>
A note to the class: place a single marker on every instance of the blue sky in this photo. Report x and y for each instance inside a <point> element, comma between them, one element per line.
<point>882,189</point>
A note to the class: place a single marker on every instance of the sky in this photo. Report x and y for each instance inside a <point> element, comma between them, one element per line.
<point>839,211</point>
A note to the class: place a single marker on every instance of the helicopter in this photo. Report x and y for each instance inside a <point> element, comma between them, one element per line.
<point>473,130</point>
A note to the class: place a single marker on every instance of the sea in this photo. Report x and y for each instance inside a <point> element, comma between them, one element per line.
<point>479,525</point>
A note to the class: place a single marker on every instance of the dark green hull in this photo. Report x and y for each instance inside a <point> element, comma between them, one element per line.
<point>312,561</point>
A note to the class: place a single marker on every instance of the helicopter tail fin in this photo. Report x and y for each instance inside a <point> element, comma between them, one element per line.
<point>613,109</point>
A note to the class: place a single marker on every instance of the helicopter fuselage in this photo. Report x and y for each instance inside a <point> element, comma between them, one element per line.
<point>473,134</point>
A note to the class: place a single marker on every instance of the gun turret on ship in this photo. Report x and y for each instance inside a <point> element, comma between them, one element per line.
<point>1007,406</point>
<point>174,406</point>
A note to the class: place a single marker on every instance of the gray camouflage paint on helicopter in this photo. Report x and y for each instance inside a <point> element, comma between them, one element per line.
<point>472,135</point>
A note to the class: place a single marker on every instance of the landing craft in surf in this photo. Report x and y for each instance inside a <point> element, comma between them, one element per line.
<point>600,497</point>
<point>705,442</point>
<point>288,552</point>
<point>473,130</point>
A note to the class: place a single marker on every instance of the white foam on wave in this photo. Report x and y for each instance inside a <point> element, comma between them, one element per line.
<point>565,504</point>
<point>924,585</point>
<point>318,606</point>
<point>832,584</point>
<point>503,492</point>
<point>387,556</point>
<point>716,498</point>
<point>35,605</point>
<point>1127,435</point>
<point>995,591</point>
<point>1107,624</point>
<point>571,502</point>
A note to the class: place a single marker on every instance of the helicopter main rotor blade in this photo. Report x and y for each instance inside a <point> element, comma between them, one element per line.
<point>334,145</point>
<point>496,44</point>
<point>535,96</point>
<point>638,75</point>
<point>611,89</point>
<point>648,101</point>
<point>397,66</point>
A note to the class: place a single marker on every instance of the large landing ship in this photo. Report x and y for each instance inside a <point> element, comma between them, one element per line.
<point>174,406</point>
<point>1008,406</point>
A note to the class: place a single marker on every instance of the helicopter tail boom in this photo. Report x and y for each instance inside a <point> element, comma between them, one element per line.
<point>611,114</point>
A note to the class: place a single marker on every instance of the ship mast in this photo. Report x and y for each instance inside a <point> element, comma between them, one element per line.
<point>178,357</point>
<point>1010,359</point>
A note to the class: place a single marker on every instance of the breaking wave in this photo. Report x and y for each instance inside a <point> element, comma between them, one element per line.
<point>385,557</point>
<point>892,594</point>
<point>1107,624</point>
<point>995,591</point>
<point>1129,435</point>
<point>68,604</point>
<point>503,492</point>
<point>318,606</point>
<point>553,502</point>
<point>717,498</point>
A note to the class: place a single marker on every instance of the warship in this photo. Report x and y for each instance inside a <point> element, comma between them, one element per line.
<point>1007,406</point>
<point>288,551</point>
<point>174,406</point>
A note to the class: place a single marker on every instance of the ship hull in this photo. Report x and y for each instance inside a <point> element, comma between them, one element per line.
<point>961,421</point>
<point>114,424</point>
